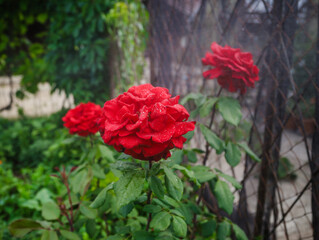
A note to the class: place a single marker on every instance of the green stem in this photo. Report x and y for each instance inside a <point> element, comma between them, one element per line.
<point>207,152</point>
<point>92,145</point>
<point>149,194</point>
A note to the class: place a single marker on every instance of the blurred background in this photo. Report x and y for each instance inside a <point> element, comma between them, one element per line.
<point>56,54</point>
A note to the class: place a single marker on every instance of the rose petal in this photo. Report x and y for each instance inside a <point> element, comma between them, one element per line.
<point>182,128</point>
<point>212,73</point>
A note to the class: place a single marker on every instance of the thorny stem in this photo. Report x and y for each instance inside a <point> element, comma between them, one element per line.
<point>60,222</point>
<point>149,194</point>
<point>64,179</point>
<point>70,221</point>
<point>71,205</point>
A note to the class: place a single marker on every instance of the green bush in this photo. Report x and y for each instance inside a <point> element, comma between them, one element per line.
<point>66,43</point>
<point>21,194</point>
<point>27,142</point>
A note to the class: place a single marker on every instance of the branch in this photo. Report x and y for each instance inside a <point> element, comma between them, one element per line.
<point>8,107</point>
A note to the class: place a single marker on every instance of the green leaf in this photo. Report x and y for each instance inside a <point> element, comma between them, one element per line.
<point>229,108</point>
<point>194,113</point>
<point>224,196</point>
<point>177,156</point>
<point>190,96</point>
<point>100,199</point>
<point>21,227</point>
<point>208,227</point>
<point>167,235</point>
<point>50,211</point>
<point>32,204</point>
<point>88,212</point>
<point>161,221</point>
<point>124,156</point>
<point>200,101</point>
<point>160,203</point>
<point>179,226</point>
<point>213,140</point>
<point>126,209</point>
<point>249,152</point>
<point>170,201</point>
<point>42,17</point>
<point>230,179</point>
<point>129,187</point>
<point>98,171</point>
<point>177,213</point>
<point>69,235</point>
<point>189,135</point>
<point>44,195</point>
<point>223,230</point>
<point>126,166</point>
<point>115,237</point>
<point>175,192</point>
<point>192,157</point>
<point>187,211</point>
<point>142,235</point>
<point>232,154</point>
<point>156,186</point>
<point>204,176</point>
<point>239,233</point>
<point>185,171</point>
<point>49,235</point>
<point>171,176</point>
<point>106,153</point>
<point>81,180</point>
<point>90,227</point>
<point>206,108</point>
<point>151,208</point>
<point>200,168</point>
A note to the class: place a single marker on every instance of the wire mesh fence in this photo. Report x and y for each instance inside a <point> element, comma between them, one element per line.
<point>279,199</point>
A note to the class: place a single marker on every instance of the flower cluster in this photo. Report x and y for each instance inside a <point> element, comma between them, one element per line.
<point>145,122</point>
<point>82,119</point>
<point>234,70</point>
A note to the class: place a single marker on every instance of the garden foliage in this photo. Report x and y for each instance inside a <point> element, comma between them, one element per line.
<point>145,192</point>
<point>80,188</point>
<point>67,44</point>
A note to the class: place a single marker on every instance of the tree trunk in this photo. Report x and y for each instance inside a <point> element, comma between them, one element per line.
<point>167,26</point>
<point>314,165</point>
<point>268,163</point>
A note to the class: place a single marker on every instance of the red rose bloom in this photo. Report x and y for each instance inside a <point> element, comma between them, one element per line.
<point>82,119</point>
<point>233,69</point>
<point>145,122</point>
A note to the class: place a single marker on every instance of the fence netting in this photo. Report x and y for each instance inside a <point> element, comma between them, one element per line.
<point>279,198</point>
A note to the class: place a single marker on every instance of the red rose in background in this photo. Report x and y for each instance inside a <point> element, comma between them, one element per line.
<point>145,122</point>
<point>233,69</point>
<point>82,119</point>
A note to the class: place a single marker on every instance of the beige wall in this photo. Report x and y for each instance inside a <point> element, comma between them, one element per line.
<point>40,104</point>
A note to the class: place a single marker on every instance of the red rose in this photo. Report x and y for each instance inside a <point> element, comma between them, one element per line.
<point>233,69</point>
<point>145,122</point>
<point>82,119</point>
